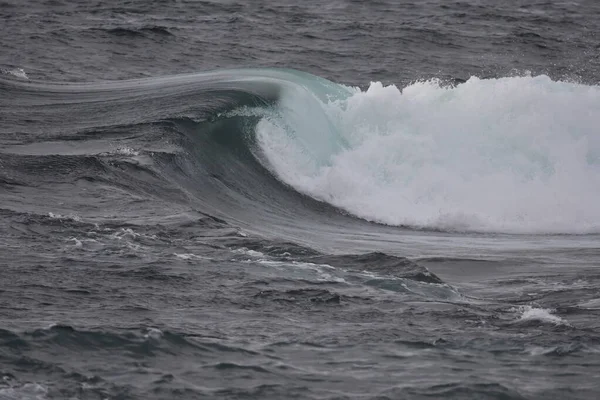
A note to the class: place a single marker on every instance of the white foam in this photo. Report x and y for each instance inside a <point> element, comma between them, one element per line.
<point>248,252</point>
<point>529,313</point>
<point>71,217</point>
<point>124,233</point>
<point>16,72</point>
<point>518,154</point>
<point>190,256</point>
<point>153,333</point>
<point>125,151</point>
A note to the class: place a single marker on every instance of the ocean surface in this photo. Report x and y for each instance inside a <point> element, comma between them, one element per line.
<point>299,200</point>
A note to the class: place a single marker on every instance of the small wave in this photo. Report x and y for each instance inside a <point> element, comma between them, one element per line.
<point>301,296</point>
<point>316,273</point>
<point>382,265</point>
<point>559,350</point>
<point>543,315</point>
<point>234,366</point>
<point>190,256</point>
<point>153,333</point>
<point>28,391</point>
<point>71,217</point>
<point>593,304</point>
<point>135,341</point>
<point>455,390</point>
<point>140,31</point>
<point>16,72</point>
<point>251,253</point>
<point>125,151</point>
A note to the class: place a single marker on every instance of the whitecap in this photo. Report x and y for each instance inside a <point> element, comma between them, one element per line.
<point>544,315</point>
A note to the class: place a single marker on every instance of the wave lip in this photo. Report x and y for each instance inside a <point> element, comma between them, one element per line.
<point>514,155</point>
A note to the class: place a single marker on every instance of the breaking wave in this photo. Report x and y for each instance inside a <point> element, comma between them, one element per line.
<point>514,154</point>
<point>518,154</point>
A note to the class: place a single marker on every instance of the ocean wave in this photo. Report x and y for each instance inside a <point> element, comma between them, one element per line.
<point>514,155</point>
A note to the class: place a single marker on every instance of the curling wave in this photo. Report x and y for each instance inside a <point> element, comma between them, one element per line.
<point>517,154</point>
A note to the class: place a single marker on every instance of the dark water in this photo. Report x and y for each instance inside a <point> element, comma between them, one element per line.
<point>186,215</point>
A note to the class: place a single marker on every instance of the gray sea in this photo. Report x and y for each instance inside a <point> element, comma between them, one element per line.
<point>299,200</point>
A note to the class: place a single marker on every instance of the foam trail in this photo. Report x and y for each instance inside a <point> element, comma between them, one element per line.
<point>518,154</point>
<point>16,72</point>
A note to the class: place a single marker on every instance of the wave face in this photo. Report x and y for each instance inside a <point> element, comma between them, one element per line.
<point>516,154</point>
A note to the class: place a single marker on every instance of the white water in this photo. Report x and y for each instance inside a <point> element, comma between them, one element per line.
<point>17,72</point>
<point>519,154</point>
<point>540,314</point>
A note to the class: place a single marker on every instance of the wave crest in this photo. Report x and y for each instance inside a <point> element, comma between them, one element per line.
<point>516,154</point>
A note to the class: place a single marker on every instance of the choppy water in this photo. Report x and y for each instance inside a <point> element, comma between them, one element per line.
<point>277,200</point>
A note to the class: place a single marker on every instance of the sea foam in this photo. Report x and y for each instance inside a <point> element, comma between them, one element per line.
<point>515,154</point>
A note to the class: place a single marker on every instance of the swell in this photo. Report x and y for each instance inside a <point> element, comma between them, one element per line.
<point>74,108</point>
<point>187,140</point>
<point>286,152</point>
